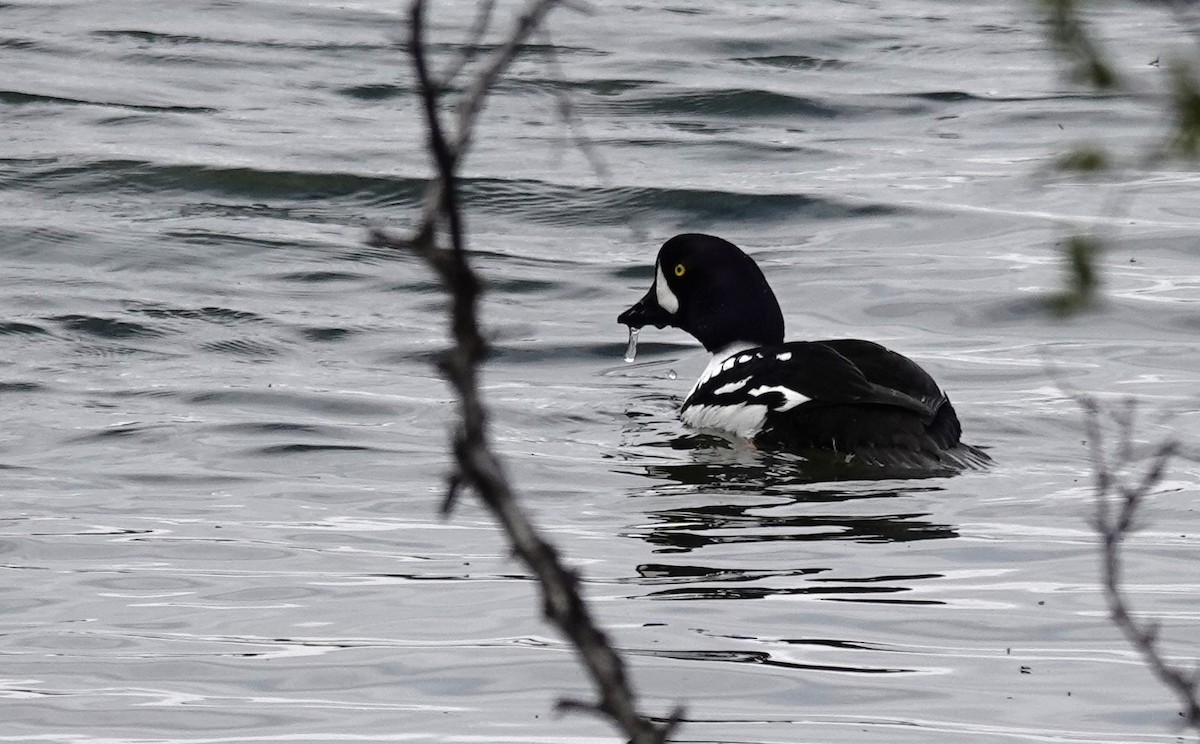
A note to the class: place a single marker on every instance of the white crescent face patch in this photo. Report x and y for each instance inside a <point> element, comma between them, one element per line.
<point>666,298</point>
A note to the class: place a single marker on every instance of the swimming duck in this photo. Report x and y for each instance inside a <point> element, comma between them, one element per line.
<point>852,399</point>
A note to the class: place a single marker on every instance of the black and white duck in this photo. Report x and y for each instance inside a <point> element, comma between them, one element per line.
<point>855,400</point>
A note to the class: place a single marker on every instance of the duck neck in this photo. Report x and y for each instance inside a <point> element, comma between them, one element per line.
<point>753,321</point>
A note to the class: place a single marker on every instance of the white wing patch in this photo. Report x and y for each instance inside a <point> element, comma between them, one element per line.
<point>747,418</point>
<point>720,361</point>
<point>744,420</point>
<point>783,357</point>
<point>666,298</point>
<point>791,398</point>
<point>731,387</point>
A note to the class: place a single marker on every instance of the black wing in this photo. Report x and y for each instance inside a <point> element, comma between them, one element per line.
<point>886,369</point>
<point>846,396</point>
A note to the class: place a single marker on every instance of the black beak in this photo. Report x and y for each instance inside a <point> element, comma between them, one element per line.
<point>646,312</point>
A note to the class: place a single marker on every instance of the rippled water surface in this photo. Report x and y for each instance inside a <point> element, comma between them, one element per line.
<point>224,447</point>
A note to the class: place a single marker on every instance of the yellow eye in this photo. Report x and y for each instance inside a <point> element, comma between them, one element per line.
<point>679,270</point>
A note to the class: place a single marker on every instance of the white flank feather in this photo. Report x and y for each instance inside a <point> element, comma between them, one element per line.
<point>744,420</point>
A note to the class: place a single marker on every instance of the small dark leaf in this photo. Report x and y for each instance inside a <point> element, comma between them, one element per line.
<point>1068,32</point>
<point>1185,101</point>
<point>1083,279</point>
<point>1085,160</point>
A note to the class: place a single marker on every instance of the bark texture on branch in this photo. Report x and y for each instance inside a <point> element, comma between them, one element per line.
<point>440,239</point>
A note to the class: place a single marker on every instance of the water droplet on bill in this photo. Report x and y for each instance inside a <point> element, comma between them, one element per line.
<point>631,349</point>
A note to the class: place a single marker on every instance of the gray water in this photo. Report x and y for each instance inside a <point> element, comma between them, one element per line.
<point>224,446</point>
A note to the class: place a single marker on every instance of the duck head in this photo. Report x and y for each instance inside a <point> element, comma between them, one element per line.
<point>708,287</point>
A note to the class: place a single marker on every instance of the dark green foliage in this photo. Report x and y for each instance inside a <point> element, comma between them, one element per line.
<point>1083,278</point>
<point>1185,99</point>
<point>1085,159</point>
<point>1067,30</point>
<point>1088,67</point>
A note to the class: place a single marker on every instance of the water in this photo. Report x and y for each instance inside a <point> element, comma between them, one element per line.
<point>225,441</point>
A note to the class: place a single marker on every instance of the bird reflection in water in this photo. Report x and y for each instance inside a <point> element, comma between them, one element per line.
<point>724,496</point>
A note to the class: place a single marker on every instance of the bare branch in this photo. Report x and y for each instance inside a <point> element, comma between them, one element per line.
<point>477,467</point>
<point>566,110</point>
<point>472,101</point>
<point>1119,496</point>
<point>483,21</point>
<point>445,155</point>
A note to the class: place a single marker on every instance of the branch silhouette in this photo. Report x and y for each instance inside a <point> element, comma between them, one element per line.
<point>1124,479</point>
<point>477,467</point>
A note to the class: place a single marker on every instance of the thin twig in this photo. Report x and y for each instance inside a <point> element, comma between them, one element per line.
<point>570,117</point>
<point>472,101</point>
<point>477,467</point>
<point>1119,496</point>
<point>445,155</point>
<point>470,48</point>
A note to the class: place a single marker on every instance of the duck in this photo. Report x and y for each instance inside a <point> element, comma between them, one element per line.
<point>848,400</point>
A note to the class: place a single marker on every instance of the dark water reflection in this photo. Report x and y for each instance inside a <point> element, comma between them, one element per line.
<point>866,589</point>
<point>787,484</point>
<point>772,472</point>
<point>766,659</point>
<point>746,497</point>
<point>684,529</point>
